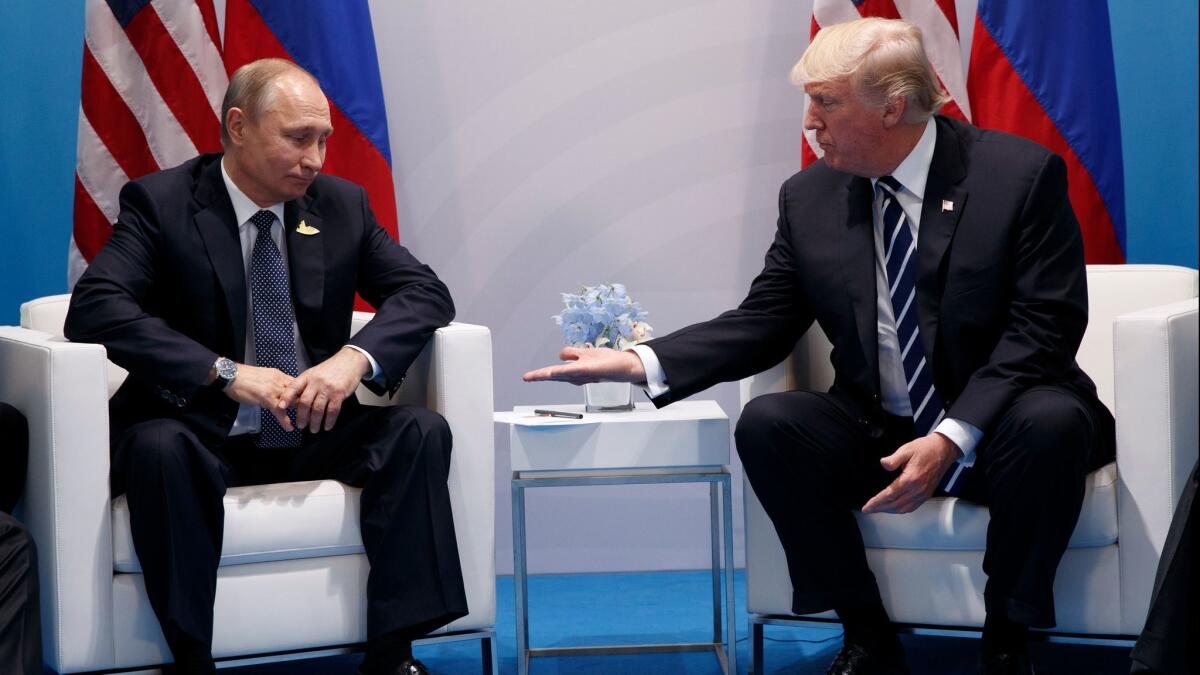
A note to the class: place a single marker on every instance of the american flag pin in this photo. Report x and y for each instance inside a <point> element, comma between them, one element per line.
<point>947,205</point>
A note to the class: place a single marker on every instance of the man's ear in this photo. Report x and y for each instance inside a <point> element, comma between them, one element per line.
<point>893,111</point>
<point>235,125</point>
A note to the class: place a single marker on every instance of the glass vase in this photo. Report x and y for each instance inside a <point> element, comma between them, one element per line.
<point>608,396</point>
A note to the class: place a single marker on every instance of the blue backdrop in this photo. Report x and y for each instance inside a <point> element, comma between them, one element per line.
<point>1154,47</point>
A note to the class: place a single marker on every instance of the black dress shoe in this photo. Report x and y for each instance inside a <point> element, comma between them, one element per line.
<point>1006,663</point>
<point>406,667</point>
<point>854,659</point>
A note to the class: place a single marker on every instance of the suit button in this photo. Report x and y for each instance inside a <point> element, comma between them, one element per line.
<point>863,421</point>
<point>164,393</point>
<point>180,401</point>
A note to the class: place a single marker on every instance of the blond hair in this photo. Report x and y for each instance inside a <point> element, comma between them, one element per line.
<point>250,90</point>
<point>882,59</point>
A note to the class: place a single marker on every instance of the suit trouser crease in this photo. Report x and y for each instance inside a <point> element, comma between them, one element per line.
<point>812,461</point>
<point>399,456</point>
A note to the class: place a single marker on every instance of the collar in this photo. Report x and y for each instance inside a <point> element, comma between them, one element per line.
<point>243,206</point>
<point>913,172</point>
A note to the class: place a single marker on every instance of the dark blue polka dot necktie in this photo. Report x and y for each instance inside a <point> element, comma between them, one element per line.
<point>274,341</point>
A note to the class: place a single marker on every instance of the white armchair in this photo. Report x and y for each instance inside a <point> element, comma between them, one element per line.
<point>292,580</point>
<point>1141,349</point>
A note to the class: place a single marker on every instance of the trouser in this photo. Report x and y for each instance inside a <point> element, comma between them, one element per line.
<point>812,463</point>
<point>398,455</point>
<point>20,620</point>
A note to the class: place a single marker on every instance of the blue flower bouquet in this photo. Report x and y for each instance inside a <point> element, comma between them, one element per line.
<point>604,316</point>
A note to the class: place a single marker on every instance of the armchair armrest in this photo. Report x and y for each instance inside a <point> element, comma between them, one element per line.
<point>807,367</point>
<point>1156,401</point>
<point>62,389</point>
<point>453,376</point>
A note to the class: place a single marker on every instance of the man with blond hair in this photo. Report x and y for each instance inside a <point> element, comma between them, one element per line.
<point>227,291</point>
<point>945,265</point>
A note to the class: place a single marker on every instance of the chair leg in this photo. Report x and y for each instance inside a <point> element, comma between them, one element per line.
<point>491,660</point>
<point>756,648</point>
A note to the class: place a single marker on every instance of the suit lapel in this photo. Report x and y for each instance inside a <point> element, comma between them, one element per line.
<point>858,267</point>
<point>306,264</point>
<point>218,228</point>
<point>941,209</point>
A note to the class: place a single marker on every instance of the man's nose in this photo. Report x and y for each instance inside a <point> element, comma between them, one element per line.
<point>812,121</point>
<point>314,157</point>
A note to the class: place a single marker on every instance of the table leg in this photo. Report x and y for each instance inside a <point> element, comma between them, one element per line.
<point>756,646</point>
<point>519,578</point>
<point>715,539</point>
<point>730,624</point>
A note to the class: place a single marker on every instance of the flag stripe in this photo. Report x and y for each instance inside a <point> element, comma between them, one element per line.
<point>174,78</point>
<point>186,26</point>
<point>167,140</point>
<point>1003,101</point>
<point>1063,69</point>
<point>98,170</point>
<point>343,59</point>
<point>941,45</point>
<point>208,14</point>
<point>351,154</point>
<point>92,228</point>
<point>884,9</point>
<point>112,121</point>
<point>127,128</point>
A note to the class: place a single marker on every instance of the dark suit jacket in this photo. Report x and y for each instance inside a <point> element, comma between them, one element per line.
<point>167,294</point>
<point>1001,284</point>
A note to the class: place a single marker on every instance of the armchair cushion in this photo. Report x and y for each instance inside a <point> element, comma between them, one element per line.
<point>281,521</point>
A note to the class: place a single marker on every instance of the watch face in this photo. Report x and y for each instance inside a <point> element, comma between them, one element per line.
<point>226,369</point>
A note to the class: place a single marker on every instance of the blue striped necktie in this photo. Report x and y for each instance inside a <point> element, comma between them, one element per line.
<point>900,261</point>
<point>274,341</point>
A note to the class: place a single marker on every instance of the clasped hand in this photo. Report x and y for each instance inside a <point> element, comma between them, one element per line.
<point>922,463</point>
<point>317,393</point>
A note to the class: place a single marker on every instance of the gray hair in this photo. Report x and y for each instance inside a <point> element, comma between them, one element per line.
<point>882,58</point>
<point>250,90</point>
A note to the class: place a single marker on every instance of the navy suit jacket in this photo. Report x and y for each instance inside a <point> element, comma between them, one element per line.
<point>167,293</point>
<point>1001,284</point>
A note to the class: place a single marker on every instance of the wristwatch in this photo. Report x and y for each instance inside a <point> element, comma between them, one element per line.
<point>226,370</point>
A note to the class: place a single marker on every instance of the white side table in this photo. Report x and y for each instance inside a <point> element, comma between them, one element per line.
<point>686,442</point>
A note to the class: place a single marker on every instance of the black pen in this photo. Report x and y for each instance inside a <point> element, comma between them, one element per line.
<point>559,413</point>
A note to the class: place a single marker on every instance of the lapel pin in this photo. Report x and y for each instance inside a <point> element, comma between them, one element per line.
<point>947,205</point>
<point>305,229</point>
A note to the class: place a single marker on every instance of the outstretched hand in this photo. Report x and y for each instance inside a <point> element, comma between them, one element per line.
<point>922,463</point>
<point>588,364</point>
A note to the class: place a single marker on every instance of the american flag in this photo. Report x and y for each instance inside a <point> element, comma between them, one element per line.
<point>938,22</point>
<point>153,79</point>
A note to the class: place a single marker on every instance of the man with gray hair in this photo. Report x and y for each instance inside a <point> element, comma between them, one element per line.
<point>226,290</point>
<point>945,265</point>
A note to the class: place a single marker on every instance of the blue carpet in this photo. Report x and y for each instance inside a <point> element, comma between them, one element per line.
<point>657,607</point>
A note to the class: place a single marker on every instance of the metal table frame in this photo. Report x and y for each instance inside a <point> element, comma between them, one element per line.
<point>725,647</point>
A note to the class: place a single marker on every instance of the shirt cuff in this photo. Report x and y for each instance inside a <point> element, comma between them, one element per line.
<point>376,371</point>
<point>965,436</point>
<point>656,379</point>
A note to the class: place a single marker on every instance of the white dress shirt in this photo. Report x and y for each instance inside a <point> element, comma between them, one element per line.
<point>244,208</point>
<point>912,175</point>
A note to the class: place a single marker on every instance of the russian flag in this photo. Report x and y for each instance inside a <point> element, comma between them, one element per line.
<point>335,42</point>
<point>1044,70</point>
